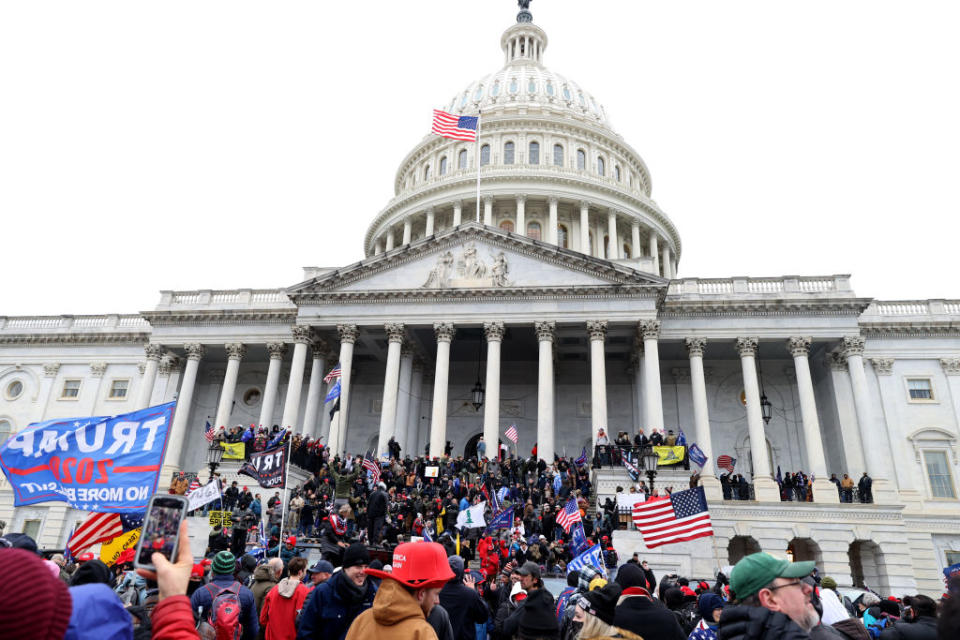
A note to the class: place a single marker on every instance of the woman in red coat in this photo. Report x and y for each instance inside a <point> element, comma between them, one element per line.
<point>284,602</point>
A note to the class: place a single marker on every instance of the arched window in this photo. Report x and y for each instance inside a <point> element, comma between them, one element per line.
<point>626,251</point>
<point>462,159</point>
<point>581,159</point>
<point>616,172</point>
<point>484,155</point>
<point>549,88</point>
<point>558,155</point>
<point>495,90</point>
<point>426,172</point>
<point>600,166</point>
<point>514,86</point>
<point>508,153</point>
<point>533,230</point>
<point>507,225</point>
<point>534,153</point>
<point>562,236</point>
<point>5,430</point>
<point>532,86</point>
<point>478,93</point>
<point>443,166</point>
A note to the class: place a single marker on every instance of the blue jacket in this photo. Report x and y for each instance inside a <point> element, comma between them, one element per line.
<point>248,619</point>
<point>326,616</point>
<point>98,613</point>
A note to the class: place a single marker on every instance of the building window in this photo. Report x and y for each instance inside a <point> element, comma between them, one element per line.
<point>443,166</point>
<point>118,389</point>
<point>508,153</point>
<point>31,527</point>
<point>558,155</point>
<point>581,159</point>
<point>495,90</point>
<point>462,159</point>
<point>71,390</point>
<point>514,86</point>
<point>534,153</point>
<point>251,397</point>
<point>562,236</point>
<point>533,230</point>
<point>606,246</point>
<point>532,86</point>
<point>616,172</point>
<point>426,172</point>
<point>920,389</point>
<point>953,557</point>
<point>549,88</point>
<point>478,93</point>
<point>14,390</point>
<point>6,430</point>
<point>566,93</point>
<point>600,166</point>
<point>484,155</point>
<point>507,226</point>
<point>938,471</point>
<point>626,251</point>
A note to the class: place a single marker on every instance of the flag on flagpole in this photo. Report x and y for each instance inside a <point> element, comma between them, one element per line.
<point>511,433</point>
<point>209,433</point>
<point>726,462</point>
<point>372,466</point>
<point>336,372</point>
<point>333,393</point>
<point>697,456</point>
<point>453,126</point>
<point>98,527</point>
<point>683,515</point>
<point>502,520</point>
<point>569,515</point>
<point>578,540</point>
<point>681,439</point>
<point>582,460</point>
<point>592,556</point>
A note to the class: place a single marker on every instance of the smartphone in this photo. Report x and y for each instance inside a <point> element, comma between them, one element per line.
<point>161,529</point>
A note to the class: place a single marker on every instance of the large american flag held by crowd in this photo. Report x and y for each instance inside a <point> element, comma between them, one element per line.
<point>453,126</point>
<point>511,433</point>
<point>681,516</point>
<point>569,515</point>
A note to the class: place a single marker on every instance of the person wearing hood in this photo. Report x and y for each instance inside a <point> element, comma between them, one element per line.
<point>222,568</point>
<point>282,604</point>
<point>265,577</point>
<point>98,614</point>
<point>596,611</point>
<point>248,564</point>
<point>517,595</point>
<point>711,607</point>
<point>462,602</point>
<point>919,621</point>
<point>92,572</point>
<point>638,614</point>
<point>333,605</point>
<point>406,595</point>
<point>376,512</point>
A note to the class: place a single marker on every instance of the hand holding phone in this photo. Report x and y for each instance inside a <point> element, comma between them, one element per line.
<point>172,579</point>
<point>161,531</point>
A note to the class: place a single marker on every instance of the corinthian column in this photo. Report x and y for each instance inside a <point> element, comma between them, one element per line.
<point>701,418</point>
<point>404,396</point>
<point>552,222</point>
<point>391,380</point>
<point>153,351</point>
<point>649,331</point>
<point>597,330</point>
<point>438,421</point>
<point>171,461</point>
<point>585,227</point>
<point>235,353</point>
<point>521,224</point>
<point>493,331</point>
<point>614,253</point>
<point>291,407</point>
<point>546,424</point>
<point>338,430</point>
<point>276,351</point>
<point>315,388</point>
<point>823,489</point>
<point>765,488</point>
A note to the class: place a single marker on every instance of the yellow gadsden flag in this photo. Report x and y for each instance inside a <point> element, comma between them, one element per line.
<point>110,551</point>
<point>669,455</point>
<point>233,450</point>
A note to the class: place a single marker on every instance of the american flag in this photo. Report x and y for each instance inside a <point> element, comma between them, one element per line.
<point>511,433</point>
<point>569,515</point>
<point>681,516</point>
<point>372,466</point>
<point>98,527</point>
<point>726,462</point>
<point>336,372</point>
<point>194,485</point>
<point>209,433</point>
<point>449,125</point>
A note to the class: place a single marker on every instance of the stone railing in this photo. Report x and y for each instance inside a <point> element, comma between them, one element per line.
<point>227,298</point>
<point>834,285</point>
<point>891,309</point>
<point>103,323</point>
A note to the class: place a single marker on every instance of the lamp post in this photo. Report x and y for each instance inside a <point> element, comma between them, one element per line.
<point>648,462</point>
<point>477,391</point>
<point>214,456</point>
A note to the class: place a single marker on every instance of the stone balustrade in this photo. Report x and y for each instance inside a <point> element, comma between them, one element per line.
<point>831,286</point>
<point>226,298</point>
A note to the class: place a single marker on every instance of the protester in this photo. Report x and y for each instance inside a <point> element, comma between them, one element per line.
<point>919,621</point>
<point>202,599</point>
<point>284,602</point>
<point>596,611</point>
<point>33,604</point>
<point>464,605</point>
<point>336,603</point>
<point>265,578</point>
<point>638,614</point>
<point>319,573</point>
<point>710,606</point>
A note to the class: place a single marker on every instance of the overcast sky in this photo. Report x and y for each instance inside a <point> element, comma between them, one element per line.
<point>207,144</point>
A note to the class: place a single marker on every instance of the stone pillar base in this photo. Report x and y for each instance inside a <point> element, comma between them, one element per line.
<point>825,491</point>
<point>766,490</point>
<point>711,488</point>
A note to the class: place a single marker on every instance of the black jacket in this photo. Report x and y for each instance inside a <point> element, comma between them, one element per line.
<point>377,504</point>
<point>757,623</point>
<point>646,618</point>
<point>924,628</point>
<point>465,608</point>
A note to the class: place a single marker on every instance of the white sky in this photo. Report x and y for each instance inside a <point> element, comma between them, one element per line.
<point>226,144</point>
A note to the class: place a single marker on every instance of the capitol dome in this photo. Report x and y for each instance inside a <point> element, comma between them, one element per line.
<point>551,168</point>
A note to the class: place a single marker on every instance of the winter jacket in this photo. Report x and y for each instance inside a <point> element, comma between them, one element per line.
<point>643,616</point>
<point>757,623</point>
<point>377,504</point>
<point>97,614</point>
<point>852,629</point>
<point>344,481</point>
<point>395,615</point>
<point>439,619</point>
<point>203,597</point>
<point>264,578</point>
<point>327,613</point>
<point>465,607</point>
<point>172,619</point>
<point>924,628</point>
<point>280,609</point>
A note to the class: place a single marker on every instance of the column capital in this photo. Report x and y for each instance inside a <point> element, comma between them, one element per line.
<point>553,201</point>
<point>426,210</point>
<point>50,369</point>
<point>302,334</point>
<point>487,200</point>
<point>348,333</point>
<point>635,224</point>
<point>597,329</point>
<point>444,331</point>
<point>407,350</point>
<point>168,364</point>
<point>951,366</point>
<point>883,366</point>
<point>194,350</point>
<point>456,204</point>
<point>276,349</point>
<point>836,361</point>
<point>584,204</point>
<point>799,346</point>
<point>649,329</point>
<point>546,330</point>
<point>493,331</point>
<point>853,346</point>
<point>235,350</point>
<point>321,350</point>
<point>153,351</point>
<point>395,332</point>
<point>97,369</point>
<point>695,346</point>
<point>747,346</point>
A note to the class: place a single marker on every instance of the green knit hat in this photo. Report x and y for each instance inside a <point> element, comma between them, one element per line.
<point>828,583</point>
<point>224,563</point>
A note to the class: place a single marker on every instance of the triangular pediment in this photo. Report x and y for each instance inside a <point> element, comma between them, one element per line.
<point>473,257</point>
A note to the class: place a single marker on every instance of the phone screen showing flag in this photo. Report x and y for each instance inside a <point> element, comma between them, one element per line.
<point>160,529</point>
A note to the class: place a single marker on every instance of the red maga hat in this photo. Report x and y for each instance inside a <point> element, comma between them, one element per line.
<point>419,565</point>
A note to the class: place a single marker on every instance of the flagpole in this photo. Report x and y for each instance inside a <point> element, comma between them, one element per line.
<point>283,507</point>
<point>478,165</point>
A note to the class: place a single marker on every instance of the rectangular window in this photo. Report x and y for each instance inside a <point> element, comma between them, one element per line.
<point>953,557</point>
<point>71,390</point>
<point>938,470</point>
<point>118,389</point>
<point>920,388</point>
<point>32,528</point>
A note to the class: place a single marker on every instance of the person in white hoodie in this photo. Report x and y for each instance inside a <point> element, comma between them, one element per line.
<point>283,603</point>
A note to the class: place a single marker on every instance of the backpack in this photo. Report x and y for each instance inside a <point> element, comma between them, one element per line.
<point>223,620</point>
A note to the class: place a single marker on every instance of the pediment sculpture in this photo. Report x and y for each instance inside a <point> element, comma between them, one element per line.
<point>469,270</point>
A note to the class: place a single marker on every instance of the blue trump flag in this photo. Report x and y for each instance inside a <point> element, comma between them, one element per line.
<point>333,393</point>
<point>503,520</point>
<point>578,539</point>
<point>106,464</point>
<point>592,556</point>
<point>696,455</point>
<point>681,439</point>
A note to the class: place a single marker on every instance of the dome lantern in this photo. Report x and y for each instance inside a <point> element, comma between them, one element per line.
<point>523,43</point>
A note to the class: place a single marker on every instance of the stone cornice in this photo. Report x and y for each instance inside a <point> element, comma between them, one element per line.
<point>73,338</point>
<point>814,513</point>
<point>928,329</point>
<point>221,317</point>
<point>481,295</point>
<point>736,307</point>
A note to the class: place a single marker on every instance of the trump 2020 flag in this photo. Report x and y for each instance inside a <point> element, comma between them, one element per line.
<point>334,392</point>
<point>578,539</point>
<point>683,515</point>
<point>107,463</point>
<point>592,556</point>
<point>697,456</point>
<point>503,520</point>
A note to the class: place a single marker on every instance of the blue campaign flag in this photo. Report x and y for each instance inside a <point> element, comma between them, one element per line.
<point>334,392</point>
<point>503,520</point>
<point>592,556</point>
<point>696,455</point>
<point>578,539</point>
<point>582,460</point>
<point>107,463</point>
<point>557,483</point>
<point>276,440</point>
<point>681,439</point>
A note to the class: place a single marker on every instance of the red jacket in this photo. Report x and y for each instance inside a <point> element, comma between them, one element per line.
<point>172,619</point>
<point>279,613</point>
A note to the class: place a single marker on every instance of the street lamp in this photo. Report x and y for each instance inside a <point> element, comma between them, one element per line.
<point>766,409</point>
<point>477,393</point>
<point>214,456</point>
<point>648,462</point>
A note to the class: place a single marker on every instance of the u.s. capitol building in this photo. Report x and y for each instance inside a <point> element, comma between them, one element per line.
<point>560,294</point>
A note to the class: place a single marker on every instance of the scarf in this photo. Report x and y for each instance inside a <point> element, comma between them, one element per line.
<point>338,524</point>
<point>350,592</point>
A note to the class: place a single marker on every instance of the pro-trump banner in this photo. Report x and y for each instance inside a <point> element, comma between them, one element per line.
<point>105,464</point>
<point>669,455</point>
<point>267,468</point>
